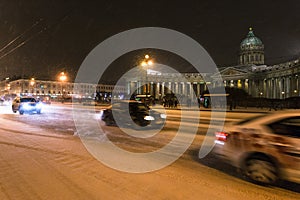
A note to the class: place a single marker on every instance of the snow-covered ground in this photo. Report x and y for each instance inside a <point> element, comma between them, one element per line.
<point>43,157</point>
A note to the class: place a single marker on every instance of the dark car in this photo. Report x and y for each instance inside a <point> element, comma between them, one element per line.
<point>140,114</point>
<point>26,105</point>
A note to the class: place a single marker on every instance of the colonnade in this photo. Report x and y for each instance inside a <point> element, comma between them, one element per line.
<point>159,89</point>
<point>276,87</point>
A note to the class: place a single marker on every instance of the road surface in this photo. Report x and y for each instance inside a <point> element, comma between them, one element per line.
<point>42,157</point>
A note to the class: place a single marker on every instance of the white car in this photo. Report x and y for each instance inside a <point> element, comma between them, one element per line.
<point>26,104</point>
<point>266,148</point>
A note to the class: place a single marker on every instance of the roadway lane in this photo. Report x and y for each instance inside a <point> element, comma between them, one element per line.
<point>41,158</point>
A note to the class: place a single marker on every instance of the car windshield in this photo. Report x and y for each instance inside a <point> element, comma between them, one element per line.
<point>132,105</point>
<point>27,100</point>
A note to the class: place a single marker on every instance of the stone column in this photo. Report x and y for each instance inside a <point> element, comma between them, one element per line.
<point>272,90</point>
<point>264,87</point>
<point>297,85</point>
<point>176,88</point>
<point>128,88</point>
<point>268,89</point>
<point>162,89</point>
<point>157,91</point>
<point>169,87</point>
<point>139,87</point>
<point>288,87</point>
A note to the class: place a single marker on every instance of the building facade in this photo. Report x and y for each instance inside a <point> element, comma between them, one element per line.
<point>57,88</point>
<point>251,74</point>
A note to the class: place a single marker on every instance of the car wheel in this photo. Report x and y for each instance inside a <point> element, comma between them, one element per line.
<point>109,122</point>
<point>38,111</point>
<point>21,112</point>
<point>260,170</point>
<point>14,111</point>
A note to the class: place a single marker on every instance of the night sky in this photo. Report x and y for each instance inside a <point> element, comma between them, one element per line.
<point>41,38</point>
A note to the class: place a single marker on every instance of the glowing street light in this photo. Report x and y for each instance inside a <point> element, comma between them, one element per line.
<point>32,82</point>
<point>7,85</point>
<point>146,63</point>
<point>283,93</point>
<point>62,77</point>
<point>149,62</point>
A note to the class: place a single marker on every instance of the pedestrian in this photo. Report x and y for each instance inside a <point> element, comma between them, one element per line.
<point>272,105</point>
<point>175,103</point>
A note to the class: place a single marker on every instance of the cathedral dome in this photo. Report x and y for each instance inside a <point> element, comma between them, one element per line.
<point>251,41</point>
<point>251,50</point>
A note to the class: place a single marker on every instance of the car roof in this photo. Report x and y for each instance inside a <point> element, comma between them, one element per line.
<point>269,117</point>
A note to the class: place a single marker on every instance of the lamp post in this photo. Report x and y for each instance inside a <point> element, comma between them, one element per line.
<point>283,93</point>
<point>32,82</point>
<point>145,64</point>
<point>62,78</point>
<point>7,85</point>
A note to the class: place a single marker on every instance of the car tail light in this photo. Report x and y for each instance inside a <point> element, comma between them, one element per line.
<point>221,136</point>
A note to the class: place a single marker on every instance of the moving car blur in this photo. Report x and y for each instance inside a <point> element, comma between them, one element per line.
<point>266,148</point>
<point>26,105</point>
<point>139,112</point>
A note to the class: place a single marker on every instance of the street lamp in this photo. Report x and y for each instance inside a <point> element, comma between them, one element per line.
<point>62,78</point>
<point>7,85</point>
<point>32,82</point>
<point>282,94</point>
<point>145,64</point>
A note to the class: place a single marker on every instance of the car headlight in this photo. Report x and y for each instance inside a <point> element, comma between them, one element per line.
<point>163,116</point>
<point>26,106</point>
<point>149,118</point>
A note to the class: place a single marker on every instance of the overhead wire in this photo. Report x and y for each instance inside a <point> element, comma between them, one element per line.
<point>32,36</point>
<point>20,35</point>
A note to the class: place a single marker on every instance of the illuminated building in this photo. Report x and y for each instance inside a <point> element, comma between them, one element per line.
<point>55,89</point>
<point>277,81</point>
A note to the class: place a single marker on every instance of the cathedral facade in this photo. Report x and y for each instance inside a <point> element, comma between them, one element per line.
<point>251,74</point>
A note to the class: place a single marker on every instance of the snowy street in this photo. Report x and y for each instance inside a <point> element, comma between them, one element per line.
<point>43,157</point>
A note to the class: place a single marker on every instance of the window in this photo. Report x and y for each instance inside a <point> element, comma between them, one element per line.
<point>27,100</point>
<point>289,127</point>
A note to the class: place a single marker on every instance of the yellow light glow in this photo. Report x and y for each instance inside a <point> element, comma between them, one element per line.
<point>32,82</point>
<point>62,77</point>
<point>150,62</point>
<point>144,64</point>
<point>147,56</point>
